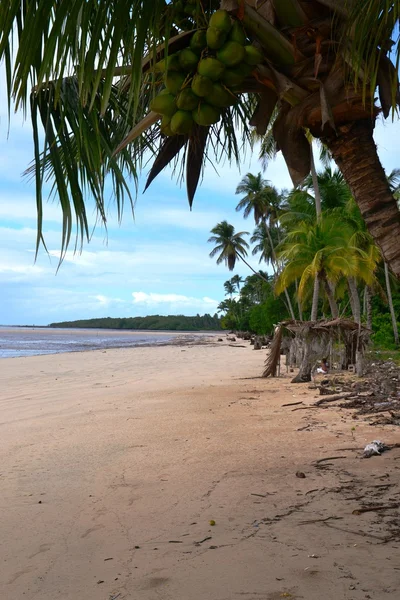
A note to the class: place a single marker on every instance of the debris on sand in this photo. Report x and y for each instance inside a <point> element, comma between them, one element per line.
<point>375,448</point>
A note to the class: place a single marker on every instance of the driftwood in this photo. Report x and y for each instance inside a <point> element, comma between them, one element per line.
<point>333,398</point>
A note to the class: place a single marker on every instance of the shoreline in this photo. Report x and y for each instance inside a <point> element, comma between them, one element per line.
<point>95,338</point>
<point>114,464</point>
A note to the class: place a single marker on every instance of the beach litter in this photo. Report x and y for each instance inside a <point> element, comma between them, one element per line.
<point>375,448</point>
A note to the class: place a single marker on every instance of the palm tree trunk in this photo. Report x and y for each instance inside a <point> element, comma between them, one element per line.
<point>355,299</point>
<point>298,302</point>
<point>317,193</point>
<point>314,309</point>
<point>251,268</point>
<point>354,151</point>
<point>391,307</point>
<point>368,306</point>
<point>331,299</point>
<point>288,301</point>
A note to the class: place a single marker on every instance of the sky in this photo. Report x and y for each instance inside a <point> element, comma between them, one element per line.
<point>156,263</point>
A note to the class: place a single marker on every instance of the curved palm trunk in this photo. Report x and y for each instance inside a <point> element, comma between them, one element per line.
<point>314,309</point>
<point>288,301</point>
<point>391,307</point>
<point>331,299</point>
<point>354,151</point>
<point>355,299</point>
<point>251,268</point>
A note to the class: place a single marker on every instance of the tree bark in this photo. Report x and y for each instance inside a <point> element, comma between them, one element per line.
<point>354,150</point>
<point>355,299</point>
<point>314,309</point>
<point>317,193</point>
<point>298,302</point>
<point>331,299</point>
<point>391,307</point>
<point>304,373</point>
<point>368,306</point>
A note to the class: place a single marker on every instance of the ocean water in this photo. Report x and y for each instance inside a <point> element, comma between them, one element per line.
<point>30,341</point>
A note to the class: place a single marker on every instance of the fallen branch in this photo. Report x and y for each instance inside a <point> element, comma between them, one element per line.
<point>205,540</point>
<point>321,460</point>
<point>362,533</point>
<point>304,407</point>
<point>319,520</point>
<point>333,398</point>
<point>360,511</point>
<point>292,404</point>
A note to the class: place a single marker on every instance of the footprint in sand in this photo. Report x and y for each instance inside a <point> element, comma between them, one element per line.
<point>19,574</point>
<point>91,529</point>
<point>42,548</point>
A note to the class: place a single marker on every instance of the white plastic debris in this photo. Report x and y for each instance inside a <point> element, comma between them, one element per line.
<point>375,448</point>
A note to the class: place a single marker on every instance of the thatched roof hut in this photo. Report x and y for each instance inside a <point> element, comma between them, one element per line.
<point>352,335</point>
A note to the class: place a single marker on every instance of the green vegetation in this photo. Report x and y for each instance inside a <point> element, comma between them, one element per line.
<point>153,322</point>
<point>91,72</point>
<point>324,265</point>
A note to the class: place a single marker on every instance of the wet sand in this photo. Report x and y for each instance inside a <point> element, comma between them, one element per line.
<point>115,462</point>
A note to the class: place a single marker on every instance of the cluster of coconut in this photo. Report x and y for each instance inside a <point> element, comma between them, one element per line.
<point>202,80</point>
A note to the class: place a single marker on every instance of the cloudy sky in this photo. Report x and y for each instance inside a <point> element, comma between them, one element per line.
<point>157,263</point>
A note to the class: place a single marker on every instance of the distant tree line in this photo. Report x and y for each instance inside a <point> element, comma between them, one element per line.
<point>152,322</point>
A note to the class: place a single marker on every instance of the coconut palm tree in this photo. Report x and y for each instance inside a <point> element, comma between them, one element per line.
<point>263,200</point>
<point>229,245</point>
<point>89,75</point>
<point>236,281</point>
<point>318,252</point>
<point>229,288</point>
<point>262,238</point>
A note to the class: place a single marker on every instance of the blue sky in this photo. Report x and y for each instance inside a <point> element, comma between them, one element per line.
<point>158,263</point>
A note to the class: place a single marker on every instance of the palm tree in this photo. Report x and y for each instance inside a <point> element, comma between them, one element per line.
<point>93,76</point>
<point>265,241</point>
<point>229,245</point>
<point>318,252</point>
<point>263,200</point>
<point>236,281</point>
<point>229,288</point>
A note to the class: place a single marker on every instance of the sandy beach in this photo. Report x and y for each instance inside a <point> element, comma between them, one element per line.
<point>115,462</point>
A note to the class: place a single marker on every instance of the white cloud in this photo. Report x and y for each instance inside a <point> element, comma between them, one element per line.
<point>143,298</point>
<point>164,303</point>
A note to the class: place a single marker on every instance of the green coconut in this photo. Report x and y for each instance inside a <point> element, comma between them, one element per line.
<point>237,33</point>
<point>253,55</point>
<point>244,68</point>
<point>211,67</point>
<point>174,81</point>
<point>188,59</point>
<point>160,66</point>
<point>172,62</point>
<point>198,41</point>
<point>166,126</point>
<point>201,85</point>
<point>163,104</point>
<point>232,77</point>
<point>221,97</point>
<point>182,122</point>
<point>231,54</point>
<point>187,99</point>
<point>206,114</point>
<point>215,38</point>
<point>221,20</point>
